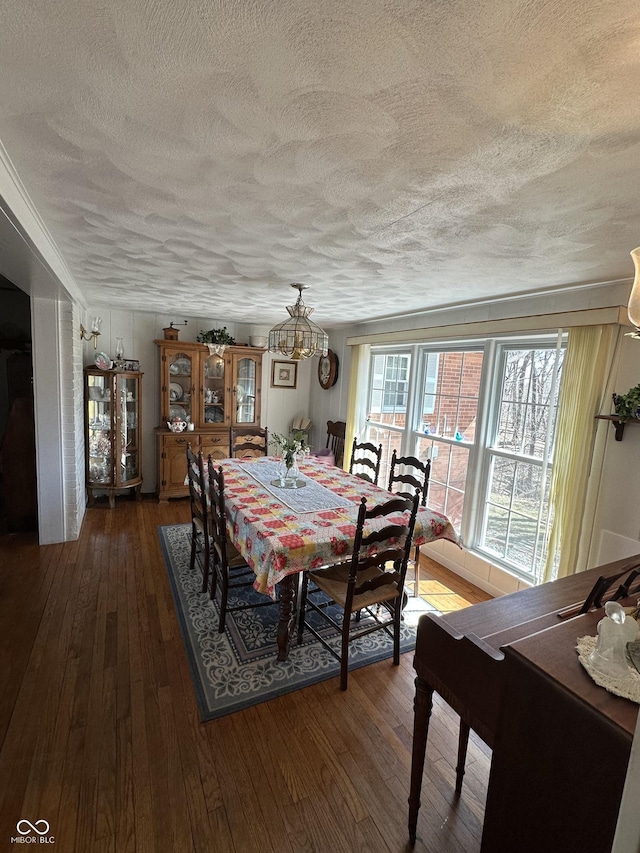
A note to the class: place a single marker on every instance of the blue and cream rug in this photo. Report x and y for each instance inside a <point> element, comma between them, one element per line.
<point>237,669</point>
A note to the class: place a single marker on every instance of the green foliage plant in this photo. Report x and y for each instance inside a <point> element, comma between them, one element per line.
<point>216,336</point>
<point>627,406</point>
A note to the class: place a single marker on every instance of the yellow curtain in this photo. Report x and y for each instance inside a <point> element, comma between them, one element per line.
<point>356,403</point>
<point>583,393</point>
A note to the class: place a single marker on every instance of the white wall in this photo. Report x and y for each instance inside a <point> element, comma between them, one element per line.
<point>617,528</point>
<point>330,404</point>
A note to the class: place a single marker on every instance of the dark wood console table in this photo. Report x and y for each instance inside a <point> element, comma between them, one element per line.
<point>561,749</point>
<point>462,657</point>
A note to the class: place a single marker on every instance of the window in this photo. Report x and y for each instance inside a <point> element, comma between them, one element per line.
<point>390,383</point>
<point>485,414</point>
<point>519,457</point>
<point>449,394</point>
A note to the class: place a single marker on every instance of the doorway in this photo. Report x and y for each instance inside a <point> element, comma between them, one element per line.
<point>18,498</point>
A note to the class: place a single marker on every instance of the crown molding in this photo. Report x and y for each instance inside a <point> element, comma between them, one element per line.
<point>22,214</point>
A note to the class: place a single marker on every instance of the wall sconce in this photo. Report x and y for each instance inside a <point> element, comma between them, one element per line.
<point>96,323</point>
<point>633,309</point>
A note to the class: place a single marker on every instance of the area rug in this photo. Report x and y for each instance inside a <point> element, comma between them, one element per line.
<point>238,668</point>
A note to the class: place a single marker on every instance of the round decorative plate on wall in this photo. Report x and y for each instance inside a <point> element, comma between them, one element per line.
<point>328,370</point>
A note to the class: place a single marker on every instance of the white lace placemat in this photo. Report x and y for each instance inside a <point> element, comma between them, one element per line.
<point>627,686</point>
<point>313,498</point>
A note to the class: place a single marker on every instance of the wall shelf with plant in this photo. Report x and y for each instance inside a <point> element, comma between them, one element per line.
<point>626,410</point>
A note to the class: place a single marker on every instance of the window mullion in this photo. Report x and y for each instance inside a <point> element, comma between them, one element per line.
<point>479,461</point>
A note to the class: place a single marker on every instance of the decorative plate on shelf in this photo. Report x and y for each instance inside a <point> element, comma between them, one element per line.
<point>102,361</point>
<point>180,367</point>
<point>177,412</point>
<point>175,391</point>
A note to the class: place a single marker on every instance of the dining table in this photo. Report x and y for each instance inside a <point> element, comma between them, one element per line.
<point>281,532</point>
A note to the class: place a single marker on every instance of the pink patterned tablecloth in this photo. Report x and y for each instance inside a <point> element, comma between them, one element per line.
<point>277,541</point>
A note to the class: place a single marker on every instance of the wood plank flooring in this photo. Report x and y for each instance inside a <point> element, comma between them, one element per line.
<point>100,735</point>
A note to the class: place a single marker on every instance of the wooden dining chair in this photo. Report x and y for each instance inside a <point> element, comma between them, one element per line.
<point>249,442</point>
<point>200,541</point>
<point>336,432</point>
<point>365,461</point>
<point>406,474</point>
<point>229,567</point>
<point>369,588</point>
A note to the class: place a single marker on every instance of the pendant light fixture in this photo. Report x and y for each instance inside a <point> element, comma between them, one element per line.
<point>298,337</point>
<point>633,308</point>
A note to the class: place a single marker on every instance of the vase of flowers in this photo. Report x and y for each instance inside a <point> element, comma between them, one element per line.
<point>291,451</point>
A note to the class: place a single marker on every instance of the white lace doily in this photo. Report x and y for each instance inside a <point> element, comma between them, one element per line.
<point>627,686</point>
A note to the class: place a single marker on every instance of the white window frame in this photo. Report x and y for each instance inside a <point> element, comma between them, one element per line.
<point>480,449</point>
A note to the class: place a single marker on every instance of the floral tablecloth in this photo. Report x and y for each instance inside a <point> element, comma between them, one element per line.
<point>277,541</point>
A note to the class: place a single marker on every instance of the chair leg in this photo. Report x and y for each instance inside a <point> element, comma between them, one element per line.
<point>416,566</point>
<point>397,617</point>
<point>205,569</point>
<point>224,594</point>
<point>214,581</point>
<point>192,561</point>
<point>302,606</point>
<point>344,656</point>
<point>463,740</point>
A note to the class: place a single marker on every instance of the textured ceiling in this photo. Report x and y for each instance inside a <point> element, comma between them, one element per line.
<point>395,155</point>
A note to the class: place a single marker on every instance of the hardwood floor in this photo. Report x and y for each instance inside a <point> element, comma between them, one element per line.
<point>100,734</point>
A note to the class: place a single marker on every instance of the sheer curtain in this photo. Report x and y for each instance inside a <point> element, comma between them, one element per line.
<point>578,454</point>
<point>357,401</point>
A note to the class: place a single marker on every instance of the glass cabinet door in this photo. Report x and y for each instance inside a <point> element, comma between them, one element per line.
<point>245,390</point>
<point>180,386</point>
<point>128,390</point>
<point>213,390</point>
<point>99,423</point>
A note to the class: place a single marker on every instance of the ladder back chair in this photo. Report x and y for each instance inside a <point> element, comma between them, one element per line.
<point>406,474</point>
<point>249,442</point>
<point>336,432</point>
<point>369,588</point>
<point>365,461</point>
<point>228,566</point>
<point>200,540</point>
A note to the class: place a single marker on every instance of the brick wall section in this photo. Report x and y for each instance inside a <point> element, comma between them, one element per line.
<point>72,413</point>
<point>456,403</point>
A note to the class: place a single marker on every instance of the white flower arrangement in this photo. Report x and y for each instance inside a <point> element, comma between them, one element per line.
<point>288,447</point>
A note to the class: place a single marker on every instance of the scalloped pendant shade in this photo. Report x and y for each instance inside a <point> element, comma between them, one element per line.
<point>298,337</point>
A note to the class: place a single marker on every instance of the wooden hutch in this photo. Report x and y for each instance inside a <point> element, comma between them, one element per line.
<point>214,393</point>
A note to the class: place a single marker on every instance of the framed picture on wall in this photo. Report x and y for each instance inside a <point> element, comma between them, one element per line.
<point>284,374</point>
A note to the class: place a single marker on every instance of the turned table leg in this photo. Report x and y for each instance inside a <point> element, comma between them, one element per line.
<point>422,704</point>
<point>287,621</point>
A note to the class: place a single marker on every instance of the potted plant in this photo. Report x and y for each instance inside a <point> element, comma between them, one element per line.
<point>627,405</point>
<point>216,336</point>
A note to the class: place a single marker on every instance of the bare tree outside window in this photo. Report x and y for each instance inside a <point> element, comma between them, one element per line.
<point>516,518</point>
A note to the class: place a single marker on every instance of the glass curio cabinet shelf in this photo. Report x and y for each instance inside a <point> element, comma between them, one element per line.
<point>113,429</point>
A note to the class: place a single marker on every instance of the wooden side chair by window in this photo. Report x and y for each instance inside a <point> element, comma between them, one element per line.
<point>336,432</point>
<point>228,566</point>
<point>369,587</point>
<point>365,461</point>
<point>406,474</point>
<point>200,541</point>
<point>249,442</point>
